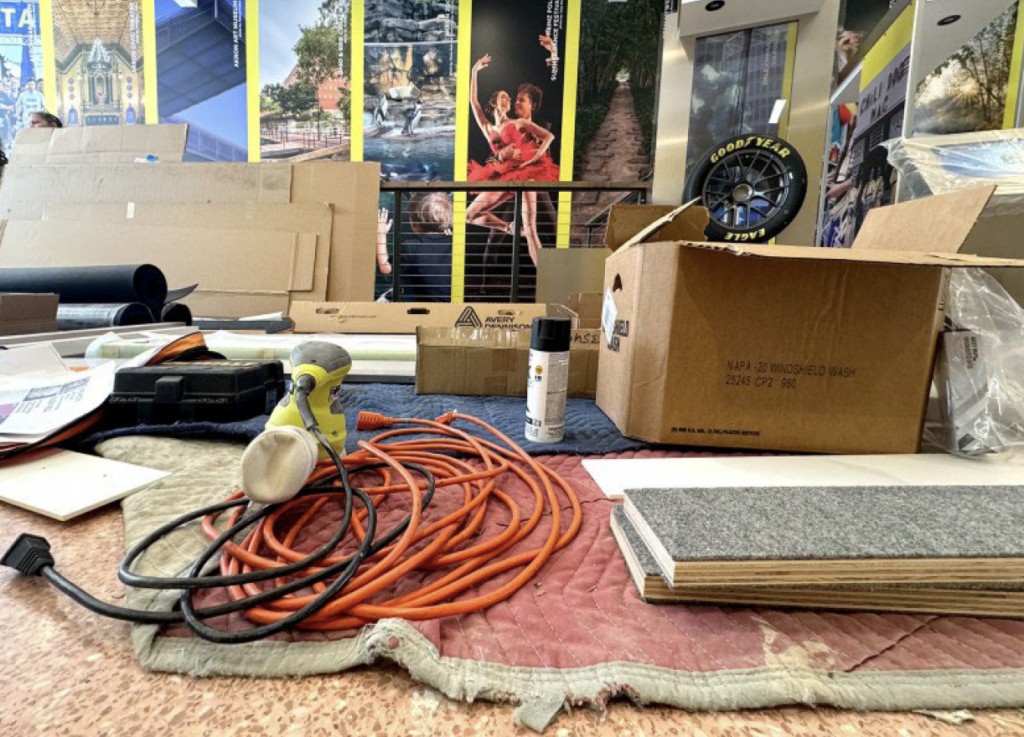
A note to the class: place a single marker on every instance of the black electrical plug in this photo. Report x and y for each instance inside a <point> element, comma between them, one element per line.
<point>29,555</point>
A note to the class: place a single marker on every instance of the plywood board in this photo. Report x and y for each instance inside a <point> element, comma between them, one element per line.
<point>61,484</point>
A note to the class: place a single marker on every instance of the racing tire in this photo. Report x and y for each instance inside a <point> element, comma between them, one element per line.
<point>753,187</point>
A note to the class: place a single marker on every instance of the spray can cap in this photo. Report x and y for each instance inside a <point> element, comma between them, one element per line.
<point>551,334</point>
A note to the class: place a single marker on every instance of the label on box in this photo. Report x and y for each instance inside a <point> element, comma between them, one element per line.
<point>608,315</point>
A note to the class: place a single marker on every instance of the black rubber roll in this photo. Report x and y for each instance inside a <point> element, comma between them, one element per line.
<point>108,285</point>
<point>176,312</point>
<point>85,317</point>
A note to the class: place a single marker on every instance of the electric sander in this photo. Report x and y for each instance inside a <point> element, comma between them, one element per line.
<point>303,428</point>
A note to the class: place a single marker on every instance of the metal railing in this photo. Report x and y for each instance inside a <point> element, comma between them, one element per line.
<point>506,225</point>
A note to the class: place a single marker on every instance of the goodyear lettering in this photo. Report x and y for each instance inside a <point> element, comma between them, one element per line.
<point>769,144</point>
<point>753,235</point>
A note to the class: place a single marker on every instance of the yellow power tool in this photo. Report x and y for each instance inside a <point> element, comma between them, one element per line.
<point>277,464</point>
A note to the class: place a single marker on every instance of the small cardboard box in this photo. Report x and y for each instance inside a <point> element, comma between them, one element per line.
<point>405,317</point>
<point>779,347</point>
<point>21,314</point>
<point>494,362</point>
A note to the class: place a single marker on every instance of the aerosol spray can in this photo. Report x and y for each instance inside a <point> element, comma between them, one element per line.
<point>547,384</point>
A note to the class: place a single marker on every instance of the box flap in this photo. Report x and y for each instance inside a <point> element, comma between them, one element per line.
<point>937,224</point>
<point>849,255</point>
<point>632,224</point>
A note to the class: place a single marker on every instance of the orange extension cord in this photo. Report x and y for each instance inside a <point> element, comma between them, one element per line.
<point>451,543</point>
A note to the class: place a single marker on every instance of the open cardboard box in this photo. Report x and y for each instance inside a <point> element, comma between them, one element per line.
<point>779,347</point>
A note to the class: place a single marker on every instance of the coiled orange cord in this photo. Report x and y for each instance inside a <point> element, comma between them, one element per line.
<point>449,546</point>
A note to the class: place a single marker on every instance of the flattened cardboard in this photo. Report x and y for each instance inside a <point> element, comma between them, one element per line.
<point>315,218</point>
<point>494,362</point>
<point>405,317</point>
<point>773,347</point>
<point>562,272</point>
<point>101,144</point>
<point>21,314</point>
<point>28,188</point>
<point>281,261</point>
<point>353,190</point>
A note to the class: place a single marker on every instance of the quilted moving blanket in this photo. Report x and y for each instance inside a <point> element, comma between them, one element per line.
<point>578,635</point>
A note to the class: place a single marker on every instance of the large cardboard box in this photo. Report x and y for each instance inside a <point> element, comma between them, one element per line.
<point>21,314</point>
<point>494,362</point>
<point>779,347</point>
<point>406,317</point>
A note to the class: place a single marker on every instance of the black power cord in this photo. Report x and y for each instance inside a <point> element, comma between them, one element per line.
<point>30,555</point>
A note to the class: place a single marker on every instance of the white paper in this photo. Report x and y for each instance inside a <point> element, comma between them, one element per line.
<point>614,476</point>
<point>39,360</point>
<point>61,484</point>
<point>33,406</point>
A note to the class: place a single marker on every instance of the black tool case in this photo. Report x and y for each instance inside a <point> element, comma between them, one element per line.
<point>196,391</point>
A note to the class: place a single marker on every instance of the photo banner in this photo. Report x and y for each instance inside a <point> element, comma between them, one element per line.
<point>21,57</point>
<point>513,133</point>
<point>410,60</point>
<point>98,62</point>
<point>300,66</point>
<point>200,71</point>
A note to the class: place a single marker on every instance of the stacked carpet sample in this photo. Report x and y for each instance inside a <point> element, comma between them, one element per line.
<point>952,550</point>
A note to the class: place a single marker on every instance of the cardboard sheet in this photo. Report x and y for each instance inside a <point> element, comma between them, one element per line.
<point>101,144</point>
<point>28,188</point>
<point>306,218</point>
<point>353,190</point>
<point>276,262</point>
<point>924,469</point>
<point>61,484</point>
<point>27,313</point>
<point>563,272</point>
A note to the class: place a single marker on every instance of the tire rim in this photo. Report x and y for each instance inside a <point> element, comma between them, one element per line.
<point>745,189</point>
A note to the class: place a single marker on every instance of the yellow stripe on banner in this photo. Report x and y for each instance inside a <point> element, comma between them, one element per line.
<point>252,77</point>
<point>1013,91</point>
<point>571,68</point>
<point>49,55</point>
<point>888,46</point>
<point>462,72</point>
<point>149,61</point>
<point>355,82</point>
<point>787,77</point>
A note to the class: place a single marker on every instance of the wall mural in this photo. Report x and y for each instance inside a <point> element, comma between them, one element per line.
<point>98,58</point>
<point>968,91</point>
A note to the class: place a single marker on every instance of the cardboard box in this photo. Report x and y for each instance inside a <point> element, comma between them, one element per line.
<point>101,144</point>
<point>494,362</point>
<point>406,317</point>
<point>351,189</point>
<point>21,314</point>
<point>779,347</point>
